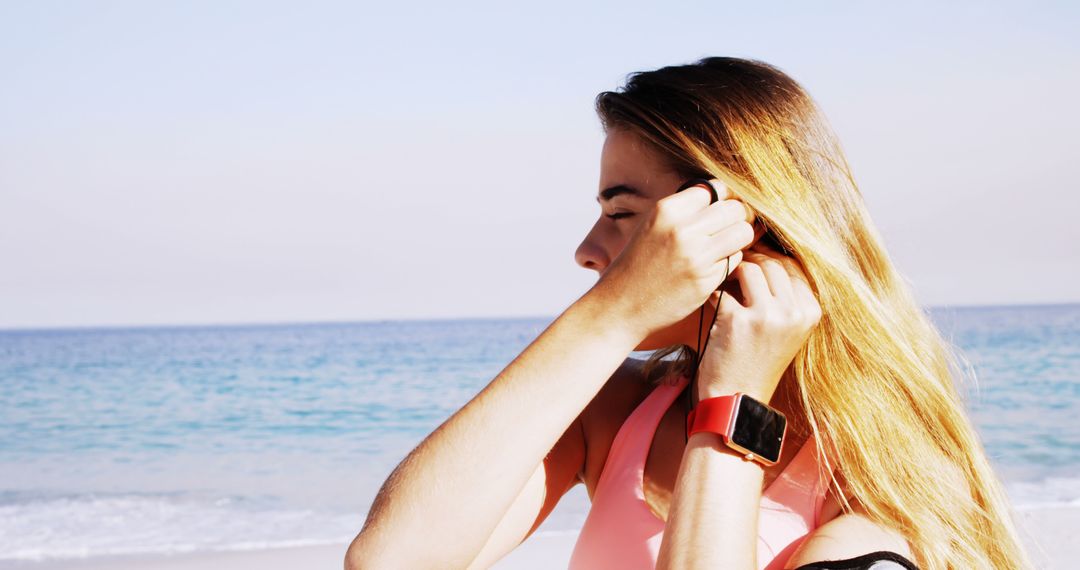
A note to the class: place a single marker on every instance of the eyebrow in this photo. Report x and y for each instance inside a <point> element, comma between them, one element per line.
<point>609,193</point>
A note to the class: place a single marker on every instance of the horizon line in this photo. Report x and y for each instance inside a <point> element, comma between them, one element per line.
<point>375,320</point>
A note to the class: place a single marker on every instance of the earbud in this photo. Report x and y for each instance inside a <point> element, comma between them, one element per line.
<point>697,182</point>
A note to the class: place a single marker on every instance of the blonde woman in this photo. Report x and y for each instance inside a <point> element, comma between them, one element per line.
<point>877,466</point>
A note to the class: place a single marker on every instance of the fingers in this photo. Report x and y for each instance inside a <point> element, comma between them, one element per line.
<point>718,216</point>
<point>725,303</point>
<point>790,264</point>
<point>727,266</point>
<point>734,238</point>
<point>766,275</point>
<point>686,202</point>
<point>785,273</point>
<point>727,210</point>
<point>730,225</point>
<point>752,283</point>
<point>722,191</point>
<point>698,196</point>
<point>776,274</point>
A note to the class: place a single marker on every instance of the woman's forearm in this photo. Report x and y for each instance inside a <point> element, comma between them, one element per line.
<point>442,502</point>
<point>713,518</point>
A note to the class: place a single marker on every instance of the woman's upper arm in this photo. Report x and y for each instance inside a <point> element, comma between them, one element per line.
<point>558,473</point>
<point>562,469</point>
<point>847,536</point>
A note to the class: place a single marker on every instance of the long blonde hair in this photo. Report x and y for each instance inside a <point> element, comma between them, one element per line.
<point>876,378</point>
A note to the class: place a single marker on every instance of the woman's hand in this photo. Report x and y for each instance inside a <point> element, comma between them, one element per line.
<point>676,256</point>
<point>755,338</point>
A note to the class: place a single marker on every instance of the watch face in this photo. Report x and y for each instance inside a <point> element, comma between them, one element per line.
<point>759,429</point>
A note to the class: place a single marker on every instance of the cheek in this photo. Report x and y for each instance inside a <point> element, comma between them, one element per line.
<point>618,243</point>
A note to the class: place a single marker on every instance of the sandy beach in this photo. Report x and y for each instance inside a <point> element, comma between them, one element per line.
<point>1050,533</point>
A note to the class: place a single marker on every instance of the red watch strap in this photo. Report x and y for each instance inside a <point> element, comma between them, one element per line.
<point>712,414</point>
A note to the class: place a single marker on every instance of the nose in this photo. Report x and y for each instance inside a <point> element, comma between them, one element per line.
<point>590,254</point>
<point>589,257</point>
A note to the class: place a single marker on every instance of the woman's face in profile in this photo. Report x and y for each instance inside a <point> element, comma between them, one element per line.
<point>632,178</point>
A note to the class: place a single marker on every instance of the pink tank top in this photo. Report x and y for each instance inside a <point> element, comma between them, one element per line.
<point>621,532</point>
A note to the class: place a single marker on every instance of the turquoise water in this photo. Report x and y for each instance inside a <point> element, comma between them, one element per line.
<point>215,438</point>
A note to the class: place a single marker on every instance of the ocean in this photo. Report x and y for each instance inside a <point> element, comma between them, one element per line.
<point>178,439</point>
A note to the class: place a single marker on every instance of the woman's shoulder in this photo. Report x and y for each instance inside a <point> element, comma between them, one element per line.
<point>849,536</point>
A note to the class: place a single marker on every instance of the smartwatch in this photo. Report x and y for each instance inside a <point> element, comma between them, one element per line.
<point>754,429</point>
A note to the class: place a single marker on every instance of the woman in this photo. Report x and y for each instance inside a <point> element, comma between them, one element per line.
<point>879,464</point>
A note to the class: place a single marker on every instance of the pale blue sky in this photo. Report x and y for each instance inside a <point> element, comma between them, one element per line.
<point>218,162</point>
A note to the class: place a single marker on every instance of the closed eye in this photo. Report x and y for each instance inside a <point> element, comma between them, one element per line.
<point>620,215</point>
